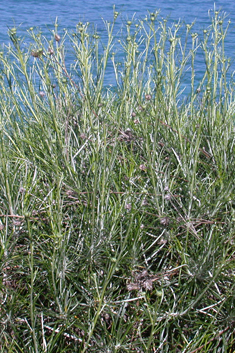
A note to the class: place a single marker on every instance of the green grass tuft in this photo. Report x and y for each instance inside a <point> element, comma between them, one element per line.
<point>117,219</point>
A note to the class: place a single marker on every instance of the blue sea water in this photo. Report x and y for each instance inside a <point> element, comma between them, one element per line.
<point>27,13</point>
<point>24,14</point>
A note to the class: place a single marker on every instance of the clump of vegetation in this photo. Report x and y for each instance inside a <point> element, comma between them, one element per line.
<point>117,204</point>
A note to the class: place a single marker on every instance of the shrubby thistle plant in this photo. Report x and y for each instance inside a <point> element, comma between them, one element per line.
<point>117,203</point>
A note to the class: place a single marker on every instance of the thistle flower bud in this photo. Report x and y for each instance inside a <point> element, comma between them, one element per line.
<point>50,51</point>
<point>57,37</point>
<point>42,94</point>
<point>148,97</point>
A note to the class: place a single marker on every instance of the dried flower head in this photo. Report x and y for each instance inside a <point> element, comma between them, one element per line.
<point>42,94</point>
<point>128,131</point>
<point>143,167</point>
<point>142,275</point>
<point>148,97</point>
<point>128,206</point>
<point>69,192</point>
<point>133,286</point>
<point>144,202</point>
<point>148,285</point>
<point>17,222</point>
<point>162,241</point>
<point>168,197</point>
<point>165,221</point>
<point>57,37</point>
<point>50,51</point>
<point>126,135</point>
<point>83,136</point>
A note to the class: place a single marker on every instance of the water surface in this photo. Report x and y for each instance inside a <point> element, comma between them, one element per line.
<point>24,14</point>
